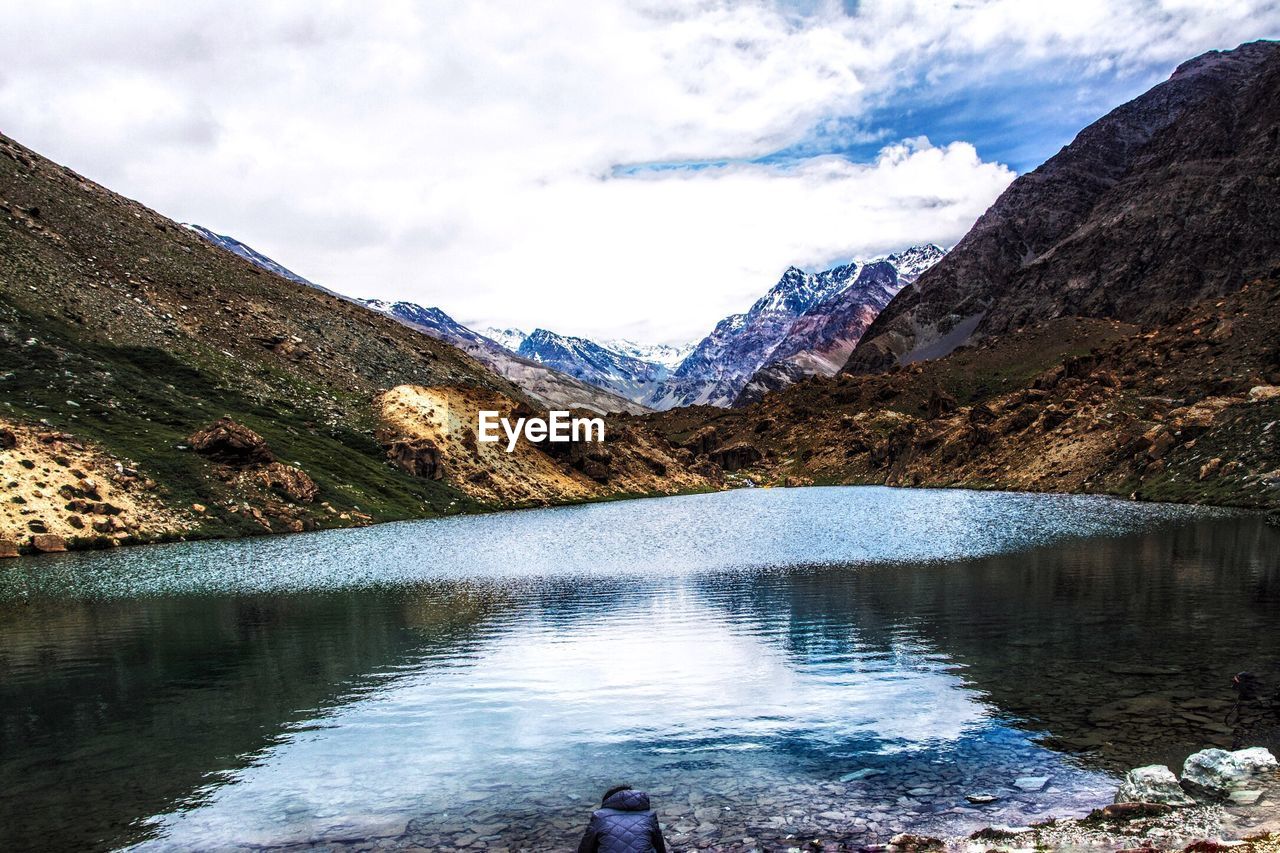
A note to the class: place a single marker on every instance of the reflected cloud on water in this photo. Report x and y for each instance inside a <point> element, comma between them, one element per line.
<point>750,649</point>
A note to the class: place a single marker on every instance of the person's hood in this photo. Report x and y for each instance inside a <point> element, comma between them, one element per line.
<point>628,801</point>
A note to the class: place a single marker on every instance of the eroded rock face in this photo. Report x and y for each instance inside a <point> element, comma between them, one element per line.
<point>231,443</point>
<point>417,456</point>
<point>293,483</point>
<point>702,441</point>
<point>1154,783</point>
<point>1216,773</point>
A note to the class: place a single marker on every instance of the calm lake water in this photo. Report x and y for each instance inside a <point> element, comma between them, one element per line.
<point>830,662</point>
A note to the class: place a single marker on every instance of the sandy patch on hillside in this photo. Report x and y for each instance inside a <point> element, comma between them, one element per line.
<point>631,461</point>
<point>52,484</point>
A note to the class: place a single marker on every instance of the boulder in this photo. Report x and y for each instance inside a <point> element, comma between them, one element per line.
<point>48,543</point>
<point>293,483</point>
<point>231,443</point>
<point>940,403</point>
<point>8,548</point>
<point>8,439</point>
<point>1157,441</point>
<point>1215,773</point>
<point>1130,811</point>
<point>417,456</point>
<point>1154,783</point>
<point>735,456</point>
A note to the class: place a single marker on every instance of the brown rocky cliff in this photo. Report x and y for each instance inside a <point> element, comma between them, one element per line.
<point>1169,199</point>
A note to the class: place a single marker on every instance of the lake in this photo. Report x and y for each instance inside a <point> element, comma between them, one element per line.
<point>769,664</point>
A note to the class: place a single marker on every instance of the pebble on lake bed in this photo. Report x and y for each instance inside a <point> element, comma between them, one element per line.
<point>1031,784</point>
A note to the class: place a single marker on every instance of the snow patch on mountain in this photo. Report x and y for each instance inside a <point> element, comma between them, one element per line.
<point>511,338</point>
<point>666,355</point>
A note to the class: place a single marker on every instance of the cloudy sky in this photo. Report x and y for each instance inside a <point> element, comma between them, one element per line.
<point>605,168</point>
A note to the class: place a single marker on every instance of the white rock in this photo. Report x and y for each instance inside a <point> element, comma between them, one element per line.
<point>1031,783</point>
<point>1154,783</point>
<point>1216,772</point>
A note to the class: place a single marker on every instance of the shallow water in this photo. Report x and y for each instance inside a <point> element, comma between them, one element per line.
<point>829,662</point>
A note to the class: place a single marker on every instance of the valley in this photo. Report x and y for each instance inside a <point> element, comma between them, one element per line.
<point>945,545</point>
<point>126,334</point>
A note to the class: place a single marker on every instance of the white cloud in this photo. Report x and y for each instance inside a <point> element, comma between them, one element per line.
<point>462,154</point>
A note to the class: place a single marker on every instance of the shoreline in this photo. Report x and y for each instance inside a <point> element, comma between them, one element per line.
<point>85,544</point>
<point>101,543</point>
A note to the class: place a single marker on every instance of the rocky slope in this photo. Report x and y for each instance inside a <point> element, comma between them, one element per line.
<point>805,324</point>
<point>1167,200</point>
<point>200,394</point>
<point>431,431</point>
<point>1189,412</point>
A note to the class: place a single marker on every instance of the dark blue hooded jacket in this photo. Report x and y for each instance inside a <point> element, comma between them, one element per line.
<point>624,825</point>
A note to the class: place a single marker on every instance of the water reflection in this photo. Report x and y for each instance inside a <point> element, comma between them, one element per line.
<point>207,695</point>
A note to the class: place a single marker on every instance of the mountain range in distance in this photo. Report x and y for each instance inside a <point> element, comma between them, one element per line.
<point>807,324</point>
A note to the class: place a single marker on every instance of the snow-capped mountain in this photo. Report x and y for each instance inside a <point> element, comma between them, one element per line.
<point>804,322</point>
<point>666,355</point>
<point>807,323</point>
<point>820,339</point>
<point>509,338</point>
<point>542,381</point>
<point>433,321</point>
<point>604,367</point>
<point>911,262</point>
